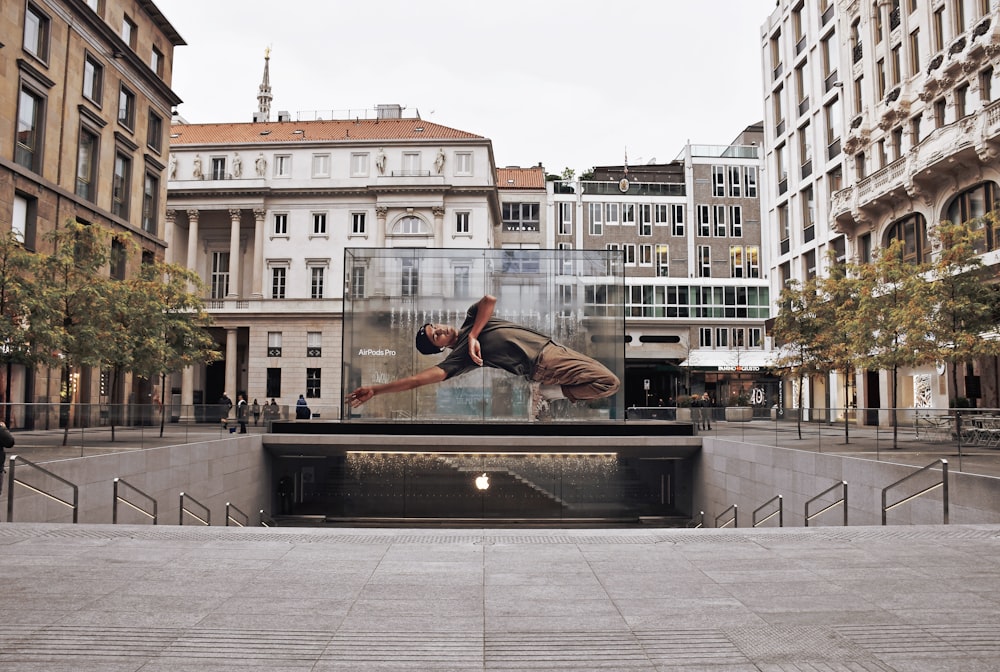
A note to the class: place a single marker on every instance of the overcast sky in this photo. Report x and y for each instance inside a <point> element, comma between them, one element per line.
<point>567,83</point>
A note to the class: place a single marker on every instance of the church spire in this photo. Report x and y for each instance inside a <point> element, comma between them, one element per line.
<point>264,92</point>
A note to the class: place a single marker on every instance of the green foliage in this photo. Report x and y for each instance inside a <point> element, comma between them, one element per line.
<point>739,399</point>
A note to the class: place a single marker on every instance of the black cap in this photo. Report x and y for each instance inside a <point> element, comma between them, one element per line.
<point>424,344</point>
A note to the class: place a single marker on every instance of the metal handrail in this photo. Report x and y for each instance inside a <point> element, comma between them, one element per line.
<point>266,520</point>
<point>732,520</point>
<point>246,518</point>
<point>943,485</point>
<point>12,481</point>
<point>780,512</point>
<point>701,521</point>
<point>118,498</point>
<point>207,520</point>
<point>841,501</point>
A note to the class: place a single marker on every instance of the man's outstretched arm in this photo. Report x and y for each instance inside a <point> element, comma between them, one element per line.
<point>434,374</point>
<point>484,312</point>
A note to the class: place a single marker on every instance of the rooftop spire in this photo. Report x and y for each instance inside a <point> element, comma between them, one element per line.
<point>264,92</point>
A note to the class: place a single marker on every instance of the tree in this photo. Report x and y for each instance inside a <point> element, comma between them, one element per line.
<point>172,333</point>
<point>797,329</point>
<point>894,303</point>
<point>965,302</point>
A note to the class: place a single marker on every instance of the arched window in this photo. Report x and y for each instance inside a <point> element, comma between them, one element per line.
<point>410,225</point>
<point>912,231</point>
<point>973,203</point>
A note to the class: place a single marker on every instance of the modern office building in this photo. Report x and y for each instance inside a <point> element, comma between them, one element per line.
<point>85,108</point>
<point>697,291</point>
<point>880,121</point>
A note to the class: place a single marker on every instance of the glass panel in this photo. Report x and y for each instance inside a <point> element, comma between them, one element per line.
<point>575,297</point>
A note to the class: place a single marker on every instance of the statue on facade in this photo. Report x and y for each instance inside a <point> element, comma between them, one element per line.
<point>380,161</point>
<point>237,165</point>
<point>261,165</point>
<point>196,172</point>
<point>439,161</point>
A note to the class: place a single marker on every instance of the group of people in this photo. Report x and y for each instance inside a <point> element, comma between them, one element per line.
<point>244,411</point>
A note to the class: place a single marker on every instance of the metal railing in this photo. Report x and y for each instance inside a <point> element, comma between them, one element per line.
<point>943,484</point>
<point>732,520</point>
<point>840,502</point>
<point>779,512</point>
<point>207,520</point>
<point>230,519</point>
<point>266,520</point>
<point>12,480</point>
<point>118,497</point>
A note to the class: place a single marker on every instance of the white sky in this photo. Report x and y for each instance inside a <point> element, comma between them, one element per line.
<point>567,83</point>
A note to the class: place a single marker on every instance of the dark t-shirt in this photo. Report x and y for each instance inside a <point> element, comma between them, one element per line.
<point>504,345</point>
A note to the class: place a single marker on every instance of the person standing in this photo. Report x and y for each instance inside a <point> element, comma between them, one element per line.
<point>225,405</point>
<point>242,411</point>
<point>255,409</point>
<point>302,411</point>
<point>706,411</point>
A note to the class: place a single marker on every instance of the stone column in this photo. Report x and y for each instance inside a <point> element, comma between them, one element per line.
<point>234,254</point>
<point>231,363</point>
<point>192,251</point>
<point>381,212</point>
<point>187,394</point>
<point>438,211</point>
<point>257,291</point>
<point>169,218</point>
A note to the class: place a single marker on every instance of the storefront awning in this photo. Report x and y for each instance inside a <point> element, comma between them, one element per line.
<point>730,360</point>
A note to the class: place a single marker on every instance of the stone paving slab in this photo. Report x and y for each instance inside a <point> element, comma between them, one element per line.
<point>194,599</point>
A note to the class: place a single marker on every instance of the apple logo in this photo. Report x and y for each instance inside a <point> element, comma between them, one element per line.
<point>483,482</point>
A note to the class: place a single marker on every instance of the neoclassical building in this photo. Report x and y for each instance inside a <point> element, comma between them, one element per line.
<point>265,210</point>
<point>881,120</point>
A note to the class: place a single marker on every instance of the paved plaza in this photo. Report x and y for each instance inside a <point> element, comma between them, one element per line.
<point>190,599</point>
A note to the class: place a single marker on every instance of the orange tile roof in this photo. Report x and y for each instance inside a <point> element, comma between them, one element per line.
<point>521,178</point>
<point>333,130</point>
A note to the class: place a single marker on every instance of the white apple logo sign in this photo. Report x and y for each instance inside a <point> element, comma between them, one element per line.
<point>483,482</point>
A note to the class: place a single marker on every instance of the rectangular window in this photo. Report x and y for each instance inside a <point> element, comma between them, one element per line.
<point>612,212</point>
<point>321,165</point>
<point>704,261</point>
<point>86,164</point>
<point>218,167</point>
<point>37,27</point>
<point>461,281</point>
<point>359,165</point>
<point>30,122</point>
<point>357,223</point>
<point>596,218</point>
<point>23,220</point>
<point>718,180</point>
<point>130,32</point>
<point>645,254</point>
<point>628,214</point>
<point>121,185</point>
<point>410,278</point>
<point>734,181</point>
<point>915,136</point>
<point>520,216</point>
<point>735,221</point>
<point>661,214</point>
<point>753,261</point>
<point>126,108</point>
<point>319,223</point>
<point>704,221</point>
<point>154,132</point>
<point>463,163</point>
<point>750,181</point>
<point>705,337</point>
<point>937,28</point>
<point>357,289</point>
<point>313,379</point>
<point>986,85</point>
<point>662,260</point>
<point>961,101</point>
<point>118,260</point>
<point>645,219</point>
<point>316,282</point>
<point>739,337</point>
<point>93,80</point>
<point>736,261</point>
<point>722,337</point>
<point>156,62</point>
<point>629,250</point>
<point>279,278</point>
<point>914,52</point>
<point>676,219</point>
<point>755,337</point>
<point>282,165</point>
<point>411,163</point>
<point>565,219</point>
<point>895,66</point>
<point>940,105</point>
<point>462,223</point>
<point>314,344</point>
<point>280,224</point>
<point>150,202</point>
<point>719,219</point>
<point>273,384</point>
<point>220,275</point>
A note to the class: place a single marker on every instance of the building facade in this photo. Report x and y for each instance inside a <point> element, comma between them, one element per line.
<point>880,121</point>
<point>264,212</point>
<point>85,111</point>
